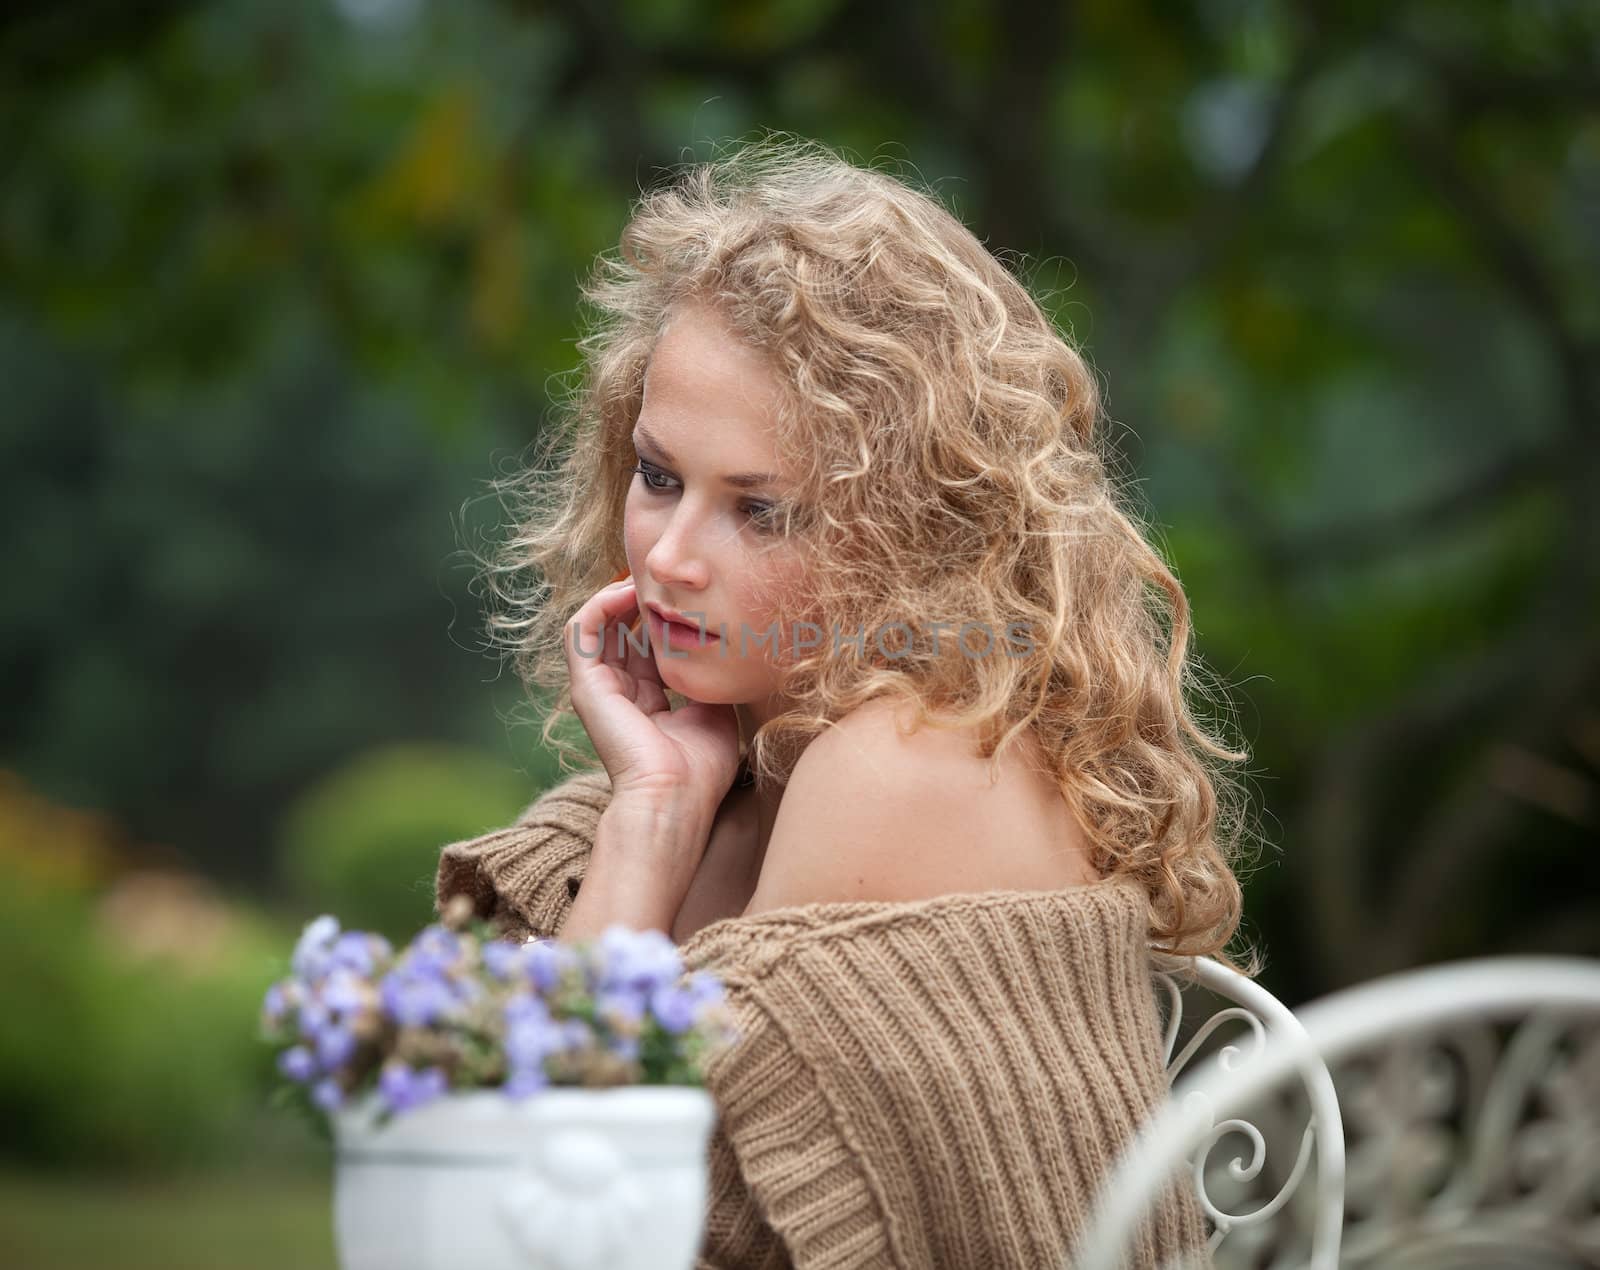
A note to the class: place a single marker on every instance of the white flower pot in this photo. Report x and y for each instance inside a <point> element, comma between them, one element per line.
<point>567,1179</point>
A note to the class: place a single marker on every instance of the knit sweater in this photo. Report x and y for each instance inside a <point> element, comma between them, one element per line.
<point>932,1083</point>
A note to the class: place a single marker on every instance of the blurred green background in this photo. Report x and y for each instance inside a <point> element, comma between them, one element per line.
<point>284,285</point>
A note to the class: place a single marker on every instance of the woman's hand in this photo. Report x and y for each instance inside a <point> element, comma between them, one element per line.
<point>687,757</point>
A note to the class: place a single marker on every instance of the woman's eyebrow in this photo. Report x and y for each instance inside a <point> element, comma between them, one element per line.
<point>742,480</point>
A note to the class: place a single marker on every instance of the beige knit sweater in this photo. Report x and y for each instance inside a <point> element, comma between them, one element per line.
<point>934,1083</point>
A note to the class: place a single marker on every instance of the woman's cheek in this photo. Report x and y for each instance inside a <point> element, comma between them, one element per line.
<point>637,536</point>
<point>761,602</point>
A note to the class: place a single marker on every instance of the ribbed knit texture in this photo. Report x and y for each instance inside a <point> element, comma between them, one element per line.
<point>941,1082</point>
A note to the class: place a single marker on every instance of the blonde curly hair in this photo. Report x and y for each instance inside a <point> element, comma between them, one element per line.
<point>944,438</point>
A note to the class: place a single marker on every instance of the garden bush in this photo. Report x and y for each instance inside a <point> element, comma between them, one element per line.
<point>364,843</point>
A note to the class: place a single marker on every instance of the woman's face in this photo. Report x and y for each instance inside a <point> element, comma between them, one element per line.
<point>700,524</point>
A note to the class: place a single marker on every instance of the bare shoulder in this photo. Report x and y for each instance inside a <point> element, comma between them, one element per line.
<point>874,748</point>
<point>877,809</point>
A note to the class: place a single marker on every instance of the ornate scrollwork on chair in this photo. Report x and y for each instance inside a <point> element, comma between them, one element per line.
<point>1244,1198</point>
<point>1471,1096</point>
<point>1476,1146</point>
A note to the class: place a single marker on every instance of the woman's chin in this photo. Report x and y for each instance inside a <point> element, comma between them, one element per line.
<point>704,683</point>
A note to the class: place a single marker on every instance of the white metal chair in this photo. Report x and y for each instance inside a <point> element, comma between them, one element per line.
<point>1249,1210</point>
<point>1472,1091</point>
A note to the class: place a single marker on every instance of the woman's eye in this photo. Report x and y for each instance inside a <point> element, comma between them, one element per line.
<point>763,516</point>
<point>650,475</point>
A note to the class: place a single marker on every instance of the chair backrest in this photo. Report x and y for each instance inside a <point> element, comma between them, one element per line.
<point>1264,1019</point>
<point>1511,1122</point>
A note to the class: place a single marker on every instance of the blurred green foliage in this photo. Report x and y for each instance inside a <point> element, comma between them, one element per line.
<point>129,1028</point>
<point>113,1061</point>
<point>363,843</point>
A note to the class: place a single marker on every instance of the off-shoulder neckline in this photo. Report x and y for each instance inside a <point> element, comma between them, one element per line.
<point>816,913</point>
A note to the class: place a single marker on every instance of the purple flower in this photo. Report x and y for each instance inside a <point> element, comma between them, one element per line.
<point>335,1046</point>
<point>547,961</point>
<point>314,1015</point>
<point>403,1089</point>
<point>435,948</point>
<point>678,1007</point>
<point>343,980</point>
<point>345,992</point>
<point>524,1081</point>
<point>415,996</point>
<point>298,1064</point>
<point>502,959</point>
<point>531,1034</point>
<point>642,960</point>
<point>528,1044</point>
<point>311,953</point>
<point>621,1007</point>
<point>624,1046</point>
<point>354,950</point>
<point>576,1035</point>
<point>674,1007</point>
<point>524,1007</point>
<point>706,989</point>
<point>274,1005</point>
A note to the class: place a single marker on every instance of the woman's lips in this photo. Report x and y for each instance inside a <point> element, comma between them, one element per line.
<point>679,635</point>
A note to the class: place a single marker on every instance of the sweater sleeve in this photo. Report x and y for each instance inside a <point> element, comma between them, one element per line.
<point>523,878</point>
<point>938,1083</point>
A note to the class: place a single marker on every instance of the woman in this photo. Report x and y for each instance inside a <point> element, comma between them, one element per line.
<point>900,747</point>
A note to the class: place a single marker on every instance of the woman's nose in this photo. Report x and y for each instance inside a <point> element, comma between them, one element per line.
<point>675,560</point>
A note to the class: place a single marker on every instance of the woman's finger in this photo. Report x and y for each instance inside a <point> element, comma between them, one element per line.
<point>604,693</point>
<point>650,692</point>
<point>593,637</point>
<point>628,654</point>
<point>618,638</point>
